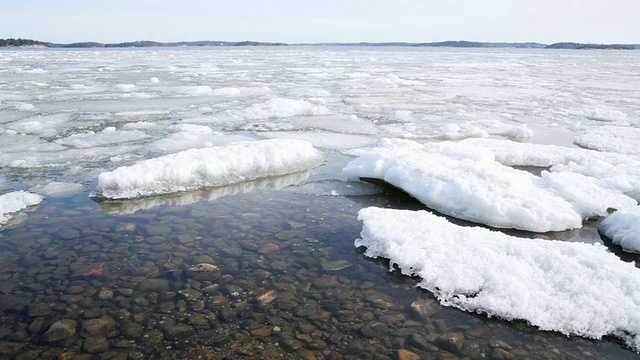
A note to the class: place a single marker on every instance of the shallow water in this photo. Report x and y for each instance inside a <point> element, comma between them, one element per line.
<point>122,277</point>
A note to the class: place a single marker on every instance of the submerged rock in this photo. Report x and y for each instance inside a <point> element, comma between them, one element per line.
<point>60,330</point>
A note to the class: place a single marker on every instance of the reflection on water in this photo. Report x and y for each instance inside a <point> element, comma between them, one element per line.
<point>130,206</point>
<point>112,282</point>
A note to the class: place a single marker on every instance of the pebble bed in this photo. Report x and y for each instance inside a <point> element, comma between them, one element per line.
<point>78,280</point>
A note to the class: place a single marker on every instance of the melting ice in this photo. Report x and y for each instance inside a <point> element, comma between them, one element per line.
<point>131,123</point>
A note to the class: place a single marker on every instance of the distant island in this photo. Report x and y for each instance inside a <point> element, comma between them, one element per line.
<point>457,44</point>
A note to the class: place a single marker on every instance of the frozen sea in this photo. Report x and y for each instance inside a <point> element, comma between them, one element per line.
<point>122,168</point>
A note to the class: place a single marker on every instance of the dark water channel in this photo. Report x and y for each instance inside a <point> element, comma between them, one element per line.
<point>87,280</point>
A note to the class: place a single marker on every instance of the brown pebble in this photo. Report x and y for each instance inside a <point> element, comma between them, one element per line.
<point>267,297</point>
<point>269,248</point>
<point>502,354</point>
<point>407,355</point>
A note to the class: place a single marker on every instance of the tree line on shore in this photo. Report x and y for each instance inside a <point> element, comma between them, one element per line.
<point>473,44</point>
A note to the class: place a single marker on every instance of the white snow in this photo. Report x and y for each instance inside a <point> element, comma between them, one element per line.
<point>466,183</point>
<point>573,288</point>
<point>623,228</point>
<point>620,172</point>
<point>209,194</point>
<point>208,167</point>
<point>325,140</point>
<point>452,131</point>
<point>191,136</point>
<point>48,125</point>
<point>15,201</point>
<point>278,108</point>
<point>619,139</point>
<point>54,188</point>
<point>105,137</point>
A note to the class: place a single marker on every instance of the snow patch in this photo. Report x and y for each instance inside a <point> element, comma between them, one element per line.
<point>573,288</point>
<point>619,139</point>
<point>208,167</point>
<point>467,183</point>
<point>15,201</point>
<point>623,228</point>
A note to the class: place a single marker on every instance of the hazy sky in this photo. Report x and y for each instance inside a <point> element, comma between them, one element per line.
<point>295,21</point>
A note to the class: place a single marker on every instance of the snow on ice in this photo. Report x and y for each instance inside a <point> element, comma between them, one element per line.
<point>620,139</point>
<point>15,201</point>
<point>208,167</point>
<point>467,183</point>
<point>623,228</point>
<point>573,288</point>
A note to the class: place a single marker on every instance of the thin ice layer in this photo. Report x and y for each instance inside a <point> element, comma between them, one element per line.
<point>623,228</point>
<point>466,183</point>
<point>15,201</point>
<point>214,166</point>
<point>573,288</point>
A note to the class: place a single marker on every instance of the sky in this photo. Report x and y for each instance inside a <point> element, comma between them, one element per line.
<point>303,21</point>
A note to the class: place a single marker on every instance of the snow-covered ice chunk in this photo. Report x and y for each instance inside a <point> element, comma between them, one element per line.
<point>208,167</point>
<point>573,288</point>
<point>619,139</point>
<point>131,206</point>
<point>451,131</point>
<point>326,140</point>
<point>105,137</point>
<point>278,108</point>
<point>619,171</point>
<point>623,228</point>
<point>16,201</point>
<point>466,183</point>
<point>48,125</point>
<point>58,188</point>
<point>589,196</point>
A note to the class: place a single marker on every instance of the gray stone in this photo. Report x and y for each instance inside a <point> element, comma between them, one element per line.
<point>374,329</point>
<point>132,330</point>
<point>40,309</point>
<point>14,303</point>
<point>104,326</point>
<point>60,330</point>
<point>154,285</point>
<point>95,344</point>
<point>8,348</point>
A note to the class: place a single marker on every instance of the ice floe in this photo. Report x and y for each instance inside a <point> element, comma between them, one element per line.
<point>130,206</point>
<point>467,183</point>
<point>452,131</point>
<point>208,167</point>
<point>105,137</point>
<point>623,228</point>
<point>619,139</point>
<point>55,188</point>
<point>619,171</point>
<point>15,201</point>
<point>277,108</point>
<point>573,288</point>
<point>326,140</point>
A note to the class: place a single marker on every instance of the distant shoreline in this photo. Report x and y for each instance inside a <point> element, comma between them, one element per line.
<point>25,43</point>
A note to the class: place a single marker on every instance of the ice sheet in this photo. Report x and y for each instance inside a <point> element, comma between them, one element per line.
<point>208,167</point>
<point>573,288</point>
